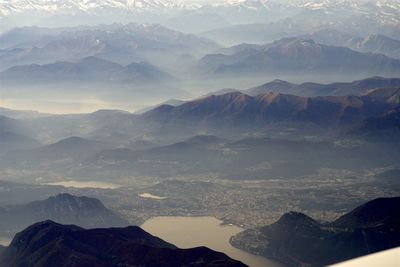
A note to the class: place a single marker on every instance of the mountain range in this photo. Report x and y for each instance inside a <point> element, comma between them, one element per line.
<point>296,57</point>
<point>75,5</point>
<point>121,43</point>
<point>9,125</point>
<point>248,136</point>
<point>369,228</point>
<point>88,70</point>
<point>48,243</point>
<point>358,87</point>
<point>248,158</point>
<point>375,43</point>
<point>231,115</point>
<point>219,114</point>
<point>241,20</point>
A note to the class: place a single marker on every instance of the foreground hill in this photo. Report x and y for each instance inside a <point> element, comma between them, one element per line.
<point>51,244</point>
<point>298,240</point>
<point>64,208</point>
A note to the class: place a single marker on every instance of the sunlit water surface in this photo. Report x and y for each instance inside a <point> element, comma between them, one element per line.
<point>5,241</point>
<point>187,232</point>
<point>86,184</point>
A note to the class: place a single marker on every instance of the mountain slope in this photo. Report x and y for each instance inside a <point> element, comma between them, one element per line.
<point>219,114</point>
<point>334,89</point>
<point>90,69</point>
<point>248,158</point>
<point>369,228</point>
<point>63,208</point>
<point>121,43</point>
<point>10,141</point>
<point>8,125</point>
<point>15,134</point>
<point>371,214</point>
<point>72,149</point>
<point>298,56</point>
<point>375,43</point>
<point>48,243</point>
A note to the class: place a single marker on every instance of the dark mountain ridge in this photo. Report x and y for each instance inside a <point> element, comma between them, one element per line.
<point>248,158</point>
<point>64,208</point>
<point>48,244</point>
<point>371,214</point>
<point>369,228</point>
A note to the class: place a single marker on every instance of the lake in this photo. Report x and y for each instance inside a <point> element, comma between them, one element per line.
<point>86,184</point>
<point>5,241</point>
<point>151,196</point>
<point>188,232</point>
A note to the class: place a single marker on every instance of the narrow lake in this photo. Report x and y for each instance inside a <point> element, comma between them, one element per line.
<point>151,196</point>
<point>86,184</point>
<point>187,232</point>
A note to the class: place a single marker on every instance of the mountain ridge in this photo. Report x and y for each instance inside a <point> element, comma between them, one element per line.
<point>89,69</point>
<point>65,208</point>
<point>297,56</point>
<point>48,243</point>
<point>357,233</point>
<point>357,87</point>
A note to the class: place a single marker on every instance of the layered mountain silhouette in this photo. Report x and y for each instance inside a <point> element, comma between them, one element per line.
<point>63,208</point>
<point>242,112</point>
<point>116,42</point>
<point>99,124</point>
<point>334,89</point>
<point>48,244</point>
<point>89,69</point>
<point>297,56</point>
<point>253,158</point>
<point>298,240</point>
<point>353,132</point>
<point>375,43</point>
